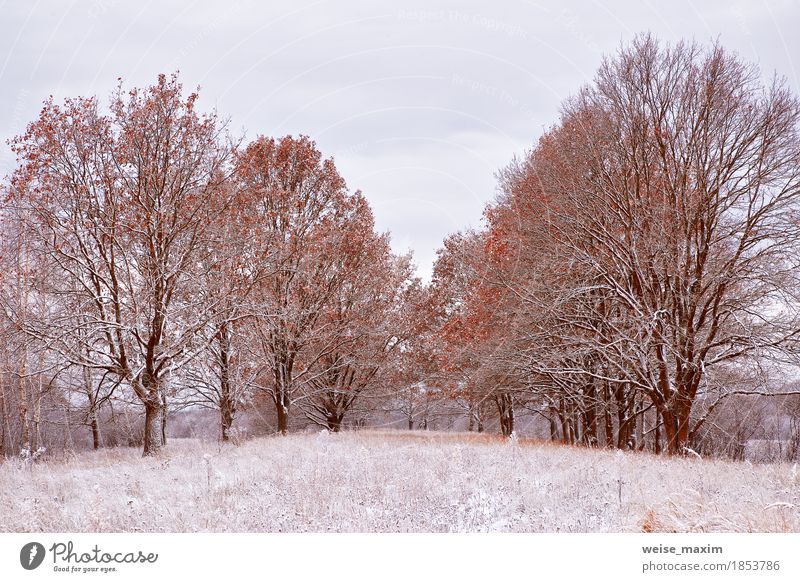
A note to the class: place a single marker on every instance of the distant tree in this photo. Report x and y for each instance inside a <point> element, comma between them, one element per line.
<point>474,323</point>
<point>365,325</point>
<point>312,231</point>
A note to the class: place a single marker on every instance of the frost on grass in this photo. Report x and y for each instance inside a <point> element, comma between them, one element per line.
<point>388,482</point>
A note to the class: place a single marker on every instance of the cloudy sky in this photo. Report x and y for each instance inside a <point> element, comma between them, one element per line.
<point>419,102</point>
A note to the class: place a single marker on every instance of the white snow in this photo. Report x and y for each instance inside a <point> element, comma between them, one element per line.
<point>394,481</point>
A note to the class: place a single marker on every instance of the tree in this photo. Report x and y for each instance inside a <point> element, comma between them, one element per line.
<point>314,229</point>
<point>474,322</point>
<point>367,322</point>
<point>220,377</point>
<point>117,207</point>
<point>670,191</point>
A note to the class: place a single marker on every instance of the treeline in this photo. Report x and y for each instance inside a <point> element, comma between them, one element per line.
<point>634,285</point>
<point>639,267</point>
<point>152,260</point>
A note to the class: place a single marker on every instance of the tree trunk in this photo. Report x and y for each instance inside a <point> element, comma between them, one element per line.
<point>282,410</point>
<point>91,398</point>
<point>25,437</point>
<point>638,427</point>
<point>505,406</point>
<point>553,428</point>
<point>671,432</point>
<point>676,431</point>
<point>657,434</point>
<point>69,444</point>
<point>227,403</point>
<point>95,425</point>
<point>153,427</point>
<point>623,422</point>
<point>569,427</point>
<point>624,437</point>
<point>2,418</point>
<point>226,413</point>
<point>282,395</point>
<point>36,437</point>
<point>608,422</point>
<point>163,418</point>
<point>334,421</point>
<point>562,416</point>
<point>154,412</point>
<point>590,417</point>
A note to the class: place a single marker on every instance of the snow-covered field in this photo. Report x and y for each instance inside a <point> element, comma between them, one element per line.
<point>394,481</point>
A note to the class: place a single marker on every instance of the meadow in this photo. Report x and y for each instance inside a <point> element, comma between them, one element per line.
<point>393,481</point>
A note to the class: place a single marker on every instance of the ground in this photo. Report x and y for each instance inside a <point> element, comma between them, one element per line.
<point>393,482</point>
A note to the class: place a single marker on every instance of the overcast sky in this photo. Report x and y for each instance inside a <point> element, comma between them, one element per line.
<point>419,102</point>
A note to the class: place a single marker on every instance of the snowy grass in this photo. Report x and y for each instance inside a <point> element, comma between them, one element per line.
<point>390,482</point>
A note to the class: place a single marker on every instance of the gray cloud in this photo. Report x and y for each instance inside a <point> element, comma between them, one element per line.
<point>419,104</point>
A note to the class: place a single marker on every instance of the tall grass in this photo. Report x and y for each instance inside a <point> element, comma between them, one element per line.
<point>393,481</point>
